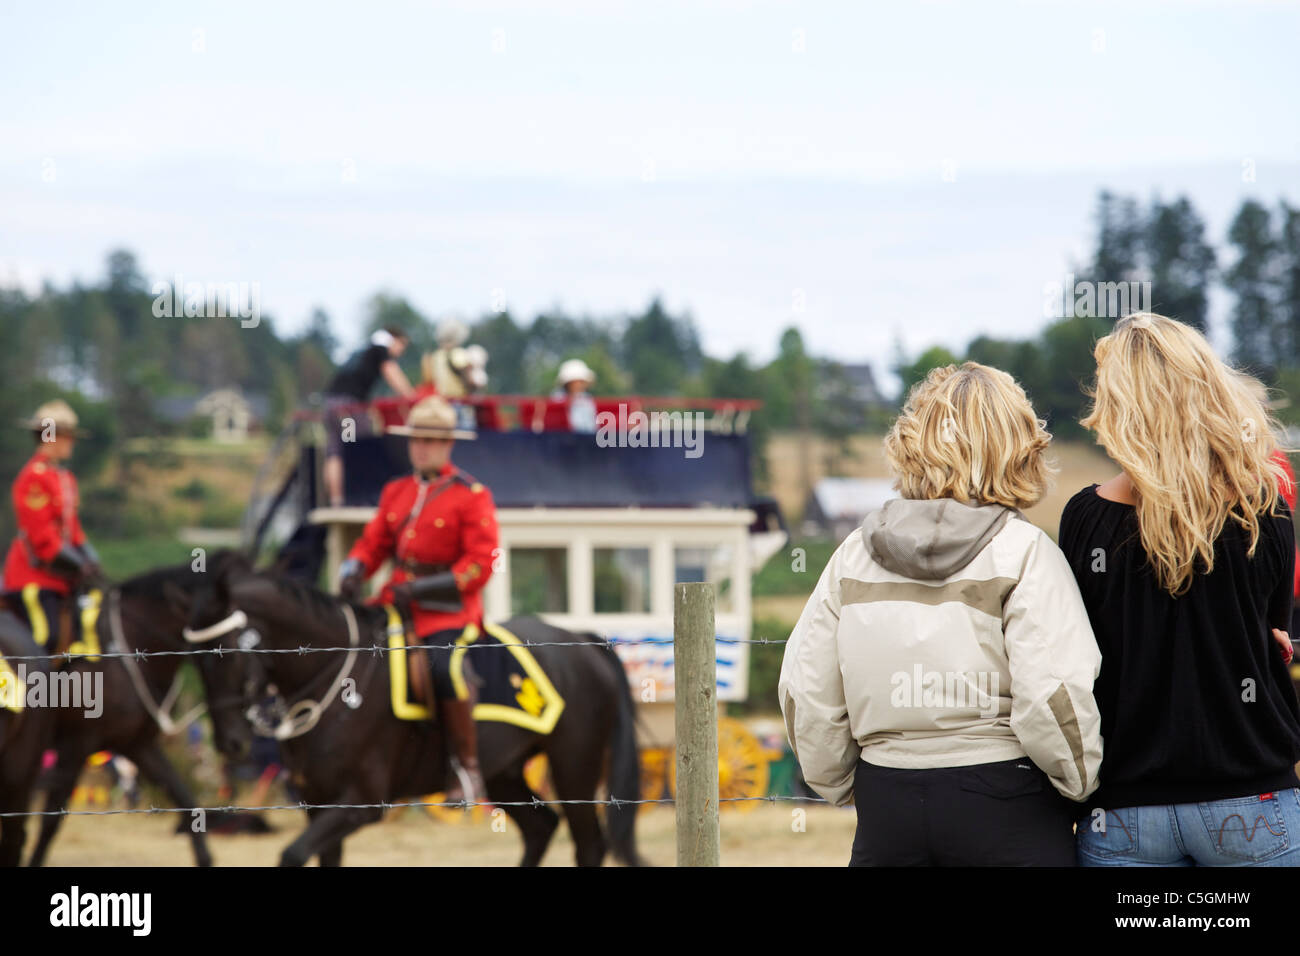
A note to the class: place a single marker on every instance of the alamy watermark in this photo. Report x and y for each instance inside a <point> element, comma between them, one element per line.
<point>946,689</point>
<point>638,429</point>
<point>1087,299</point>
<point>208,300</point>
<point>82,689</point>
<point>132,911</point>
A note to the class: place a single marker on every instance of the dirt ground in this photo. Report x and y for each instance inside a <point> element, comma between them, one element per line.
<point>763,836</point>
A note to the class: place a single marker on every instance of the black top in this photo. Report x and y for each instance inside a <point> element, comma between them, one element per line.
<point>1196,703</point>
<point>359,374</point>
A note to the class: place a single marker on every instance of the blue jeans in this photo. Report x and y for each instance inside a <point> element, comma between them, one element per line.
<point>1261,830</point>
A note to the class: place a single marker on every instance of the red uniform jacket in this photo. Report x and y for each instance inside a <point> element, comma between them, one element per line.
<point>1288,489</point>
<point>45,497</point>
<point>449,520</point>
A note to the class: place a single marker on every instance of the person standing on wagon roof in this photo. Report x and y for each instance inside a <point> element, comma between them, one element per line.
<point>51,559</point>
<point>454,370</point>
<point>350,388</point>
<point>941,673</point>
<point>439,527</point>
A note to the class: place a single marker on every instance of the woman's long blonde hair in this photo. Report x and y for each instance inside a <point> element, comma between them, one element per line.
<point>968,432</point>
<point>1192,435</point>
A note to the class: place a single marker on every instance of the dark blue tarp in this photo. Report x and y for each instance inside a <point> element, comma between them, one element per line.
<point>568,470</point>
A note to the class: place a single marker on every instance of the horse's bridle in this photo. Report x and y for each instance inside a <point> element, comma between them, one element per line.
<point>161,713</point>
<point>236,620</point>
<point>302,715</point>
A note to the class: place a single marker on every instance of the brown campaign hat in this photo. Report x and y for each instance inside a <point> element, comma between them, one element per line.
<point>431,417</point>
<point>59,414</point>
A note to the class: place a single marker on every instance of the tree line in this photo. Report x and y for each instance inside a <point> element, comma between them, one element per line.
<point>1164,246</point>
<point>103,347</point>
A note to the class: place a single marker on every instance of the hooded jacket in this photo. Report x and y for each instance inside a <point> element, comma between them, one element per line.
<point>943,634</point>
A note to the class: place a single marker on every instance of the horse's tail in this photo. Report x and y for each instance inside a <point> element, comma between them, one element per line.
<point>624,770</point>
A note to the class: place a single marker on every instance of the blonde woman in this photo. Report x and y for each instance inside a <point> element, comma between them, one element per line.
<point>1185,563</point>
<point>941,673</point>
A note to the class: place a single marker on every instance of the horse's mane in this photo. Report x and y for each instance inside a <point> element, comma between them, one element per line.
<point>312,599</point>
<point>182,575</point>
<point>151,582</point>
<point>308,597</point>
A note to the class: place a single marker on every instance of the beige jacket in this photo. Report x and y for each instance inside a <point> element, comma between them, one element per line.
<point>942,635</point>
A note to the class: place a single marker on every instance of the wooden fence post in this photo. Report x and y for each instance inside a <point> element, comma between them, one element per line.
<point>696,711</point>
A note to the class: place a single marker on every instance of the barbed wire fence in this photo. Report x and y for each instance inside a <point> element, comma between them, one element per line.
<point>367,648</point>
<point>377,649</point>
<point>467,806</point>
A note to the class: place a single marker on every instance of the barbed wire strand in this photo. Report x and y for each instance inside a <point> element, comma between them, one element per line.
<point>371,648</point>
<point>377,648</point>
<point>385,805</point>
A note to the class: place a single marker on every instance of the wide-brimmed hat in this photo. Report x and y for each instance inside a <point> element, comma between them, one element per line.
<point>431,417</point>
<point>58,413</point>
<point>574,370</point>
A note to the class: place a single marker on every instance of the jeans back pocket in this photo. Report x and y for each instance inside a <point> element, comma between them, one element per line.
<point>1246,829</point>
<point>1108,833</point>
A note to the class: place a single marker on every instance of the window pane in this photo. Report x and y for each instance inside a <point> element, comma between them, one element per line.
<point>621,580</point>
<point>708,563</point>
<point>539,580</point>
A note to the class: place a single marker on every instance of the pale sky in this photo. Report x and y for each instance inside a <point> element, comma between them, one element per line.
<point>869,171</point>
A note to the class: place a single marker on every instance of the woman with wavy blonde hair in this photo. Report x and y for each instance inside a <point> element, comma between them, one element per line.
<point>1185,561</point>
<point>941,672</point>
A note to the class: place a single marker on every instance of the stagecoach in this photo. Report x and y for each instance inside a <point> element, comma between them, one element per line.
<point>594,531</point>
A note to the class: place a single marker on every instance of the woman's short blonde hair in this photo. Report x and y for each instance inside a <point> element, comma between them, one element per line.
<point>968,432</point>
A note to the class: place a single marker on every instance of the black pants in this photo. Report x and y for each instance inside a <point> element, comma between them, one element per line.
<point>43,620</point>
<point>440,650</point>
<point>992,814</point>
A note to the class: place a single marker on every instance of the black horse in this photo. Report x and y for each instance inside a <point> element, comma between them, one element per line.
<point>357,752</point>
<point>146,613</point>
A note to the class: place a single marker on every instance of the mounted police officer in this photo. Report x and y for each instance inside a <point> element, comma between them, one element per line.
<point>439,527</point>
<point>51,559</point>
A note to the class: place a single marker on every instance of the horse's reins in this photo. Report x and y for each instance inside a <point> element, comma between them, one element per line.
<point>161,714</point>
<point>305,714</point>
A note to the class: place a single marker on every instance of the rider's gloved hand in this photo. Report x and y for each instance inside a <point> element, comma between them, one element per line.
<point>351,578</point>
<point>92,575</point>
<point>70,564</point>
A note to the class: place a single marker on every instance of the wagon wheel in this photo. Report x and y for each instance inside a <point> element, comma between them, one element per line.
<point>742,767</point>
<point>654,775</point>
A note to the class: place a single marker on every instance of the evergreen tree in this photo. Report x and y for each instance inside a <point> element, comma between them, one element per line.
<point>1258,336</point>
